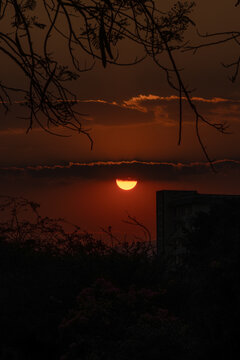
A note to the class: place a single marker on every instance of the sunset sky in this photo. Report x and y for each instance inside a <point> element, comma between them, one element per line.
<point>133,115</point>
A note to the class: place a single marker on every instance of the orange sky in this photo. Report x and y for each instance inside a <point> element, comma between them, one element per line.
<point>133,114</point>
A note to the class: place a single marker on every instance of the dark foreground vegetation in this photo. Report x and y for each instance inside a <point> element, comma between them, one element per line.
<point>65,295</point>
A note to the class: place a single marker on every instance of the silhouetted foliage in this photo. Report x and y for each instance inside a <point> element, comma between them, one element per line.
<point>116,304</point>
<point>109,323</point>
<point>92,29</point>
<point>23,224</point>
<point>44,267</point>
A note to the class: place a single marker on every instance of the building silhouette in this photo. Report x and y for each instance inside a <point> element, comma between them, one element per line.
<point>175,211</point>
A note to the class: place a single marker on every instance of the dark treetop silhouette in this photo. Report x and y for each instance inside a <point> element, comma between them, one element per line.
<point>93,29</point>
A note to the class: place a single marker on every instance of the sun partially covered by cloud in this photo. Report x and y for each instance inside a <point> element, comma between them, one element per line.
<point>85,193</point>
<point>144,170</point>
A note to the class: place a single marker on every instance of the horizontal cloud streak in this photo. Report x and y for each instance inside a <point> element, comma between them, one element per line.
<point>136,101</point>
<point>140,170</point>
<point>145,109</point>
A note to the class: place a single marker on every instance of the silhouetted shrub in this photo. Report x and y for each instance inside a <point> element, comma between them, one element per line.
<point>116,318</point>
<point>109,323</point>
<point>44,265</point>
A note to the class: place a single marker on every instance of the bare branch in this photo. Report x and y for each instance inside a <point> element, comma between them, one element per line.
<point>93,29</point>
<point>131,220</point>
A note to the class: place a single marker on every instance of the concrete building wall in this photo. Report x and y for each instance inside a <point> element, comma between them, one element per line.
<point>174,210</point>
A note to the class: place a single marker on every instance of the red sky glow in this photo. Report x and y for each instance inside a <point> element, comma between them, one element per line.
<point>133,115</point>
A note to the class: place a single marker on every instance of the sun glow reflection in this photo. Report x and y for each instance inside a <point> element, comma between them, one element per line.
<point>126,184</point>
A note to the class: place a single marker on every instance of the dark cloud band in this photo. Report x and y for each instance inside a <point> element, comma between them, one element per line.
<point>139,170</point>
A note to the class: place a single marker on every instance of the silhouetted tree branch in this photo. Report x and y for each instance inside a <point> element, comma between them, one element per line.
<point>22,224</point>
<point>219,38</point>
<point>94,29</point>
<point>131,220</point>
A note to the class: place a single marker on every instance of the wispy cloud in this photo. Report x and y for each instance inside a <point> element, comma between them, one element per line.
<point>137,101</point>
<point>162,109</point>
<point>145,109</point>
<point>145,170</point>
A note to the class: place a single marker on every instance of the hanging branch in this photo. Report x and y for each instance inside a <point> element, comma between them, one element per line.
<point>93,29</point>
<point>218,39</point>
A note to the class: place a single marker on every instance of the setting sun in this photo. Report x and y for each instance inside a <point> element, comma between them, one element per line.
<point>126,184</point>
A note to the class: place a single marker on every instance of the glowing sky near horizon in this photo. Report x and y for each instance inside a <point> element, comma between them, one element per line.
<point>134,117</point>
